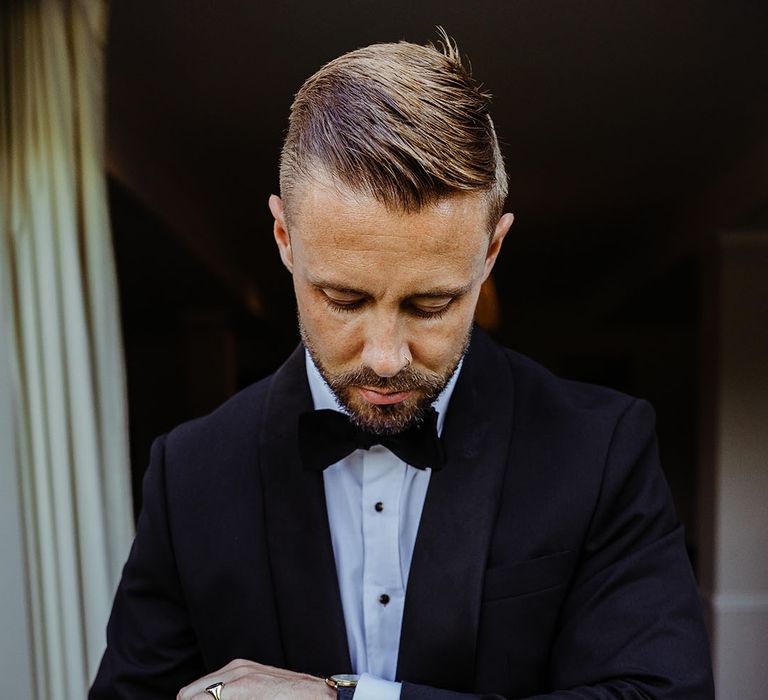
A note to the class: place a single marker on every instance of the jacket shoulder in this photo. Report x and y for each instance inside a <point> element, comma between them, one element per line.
<point>226,436</point>
<point>538,389</point>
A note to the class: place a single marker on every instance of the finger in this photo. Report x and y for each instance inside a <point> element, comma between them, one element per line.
<point>227,674</point>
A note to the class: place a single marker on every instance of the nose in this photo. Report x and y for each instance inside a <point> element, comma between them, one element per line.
<point>386,350</point>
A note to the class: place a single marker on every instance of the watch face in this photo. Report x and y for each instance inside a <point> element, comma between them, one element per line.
<point>345,680</point>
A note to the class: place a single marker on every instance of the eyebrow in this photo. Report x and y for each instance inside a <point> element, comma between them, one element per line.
<point>434,293</point>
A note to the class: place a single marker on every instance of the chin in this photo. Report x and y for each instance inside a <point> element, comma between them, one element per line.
<point>388,419</point>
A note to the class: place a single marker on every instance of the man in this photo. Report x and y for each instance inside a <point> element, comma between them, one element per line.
<point>316,524</point>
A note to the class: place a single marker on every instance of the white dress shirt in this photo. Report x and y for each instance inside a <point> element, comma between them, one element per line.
<point>374,503</point>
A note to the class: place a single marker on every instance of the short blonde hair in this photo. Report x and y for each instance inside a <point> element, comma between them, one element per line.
<point>403,123</point>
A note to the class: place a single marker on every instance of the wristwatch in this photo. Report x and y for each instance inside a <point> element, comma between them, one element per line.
<point>344,684</point>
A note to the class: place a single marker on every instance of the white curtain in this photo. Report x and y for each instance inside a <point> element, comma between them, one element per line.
<point>62,334</point>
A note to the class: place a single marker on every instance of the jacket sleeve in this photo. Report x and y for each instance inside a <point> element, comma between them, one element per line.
<point>151,648</point>
<point>631,624</point>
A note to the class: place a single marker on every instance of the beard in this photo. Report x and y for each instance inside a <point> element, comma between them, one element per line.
<point>388,419</point>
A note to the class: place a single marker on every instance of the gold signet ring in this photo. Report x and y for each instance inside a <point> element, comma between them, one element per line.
<point>215,690</point>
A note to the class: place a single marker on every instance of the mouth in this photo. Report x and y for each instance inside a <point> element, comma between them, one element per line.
<point>383,398</point>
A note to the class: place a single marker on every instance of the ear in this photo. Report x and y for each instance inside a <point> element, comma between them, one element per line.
<point>282,238</point>
<point>505,222</point>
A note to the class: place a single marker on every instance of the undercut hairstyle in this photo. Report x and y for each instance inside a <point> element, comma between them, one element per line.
<point>403,123</point>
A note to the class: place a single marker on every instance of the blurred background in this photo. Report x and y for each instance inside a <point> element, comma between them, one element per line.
<point>636,139</point>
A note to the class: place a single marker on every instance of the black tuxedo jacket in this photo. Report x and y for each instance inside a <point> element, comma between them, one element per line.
<point>548,562</point>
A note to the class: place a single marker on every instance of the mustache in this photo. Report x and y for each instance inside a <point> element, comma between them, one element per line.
<point>407,379</point>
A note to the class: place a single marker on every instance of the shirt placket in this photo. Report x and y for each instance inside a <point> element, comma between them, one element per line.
<point>383,587</point>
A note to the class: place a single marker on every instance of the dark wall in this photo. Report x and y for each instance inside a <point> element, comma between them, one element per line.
<point>189,343</point>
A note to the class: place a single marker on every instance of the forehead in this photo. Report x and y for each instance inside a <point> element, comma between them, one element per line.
<point>324,217</point>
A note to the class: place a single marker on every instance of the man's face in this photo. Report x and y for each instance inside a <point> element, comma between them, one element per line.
<point>386,299</point>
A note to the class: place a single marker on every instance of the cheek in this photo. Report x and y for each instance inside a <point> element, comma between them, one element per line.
<point>434,346</point>
<point>332,333</point>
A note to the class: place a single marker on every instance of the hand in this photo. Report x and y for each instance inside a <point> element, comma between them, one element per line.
<point>247,680</point>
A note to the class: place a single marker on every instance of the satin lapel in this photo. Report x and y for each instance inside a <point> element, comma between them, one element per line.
<point>442,604</point>
<point>303,566</point>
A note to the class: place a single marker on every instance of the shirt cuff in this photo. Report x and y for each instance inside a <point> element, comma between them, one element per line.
<point>372,688</point>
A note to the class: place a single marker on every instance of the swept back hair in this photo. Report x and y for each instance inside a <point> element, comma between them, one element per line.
<point>403,123</point>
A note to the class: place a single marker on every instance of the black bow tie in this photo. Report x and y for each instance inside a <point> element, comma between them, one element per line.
<point>326,436</point>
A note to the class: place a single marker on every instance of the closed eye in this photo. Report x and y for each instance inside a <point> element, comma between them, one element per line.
<point>431,309</point>
<point>340,301</point>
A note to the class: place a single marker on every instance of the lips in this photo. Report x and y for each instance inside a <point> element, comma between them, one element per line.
<point>381,398</point>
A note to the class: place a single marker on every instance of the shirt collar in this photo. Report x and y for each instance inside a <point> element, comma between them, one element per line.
<point>323,397</point>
